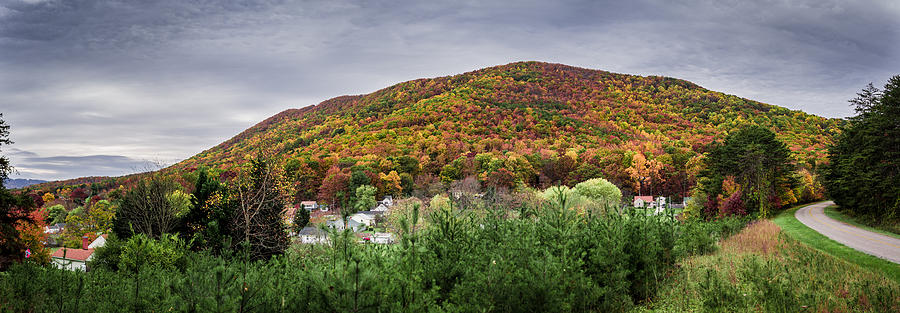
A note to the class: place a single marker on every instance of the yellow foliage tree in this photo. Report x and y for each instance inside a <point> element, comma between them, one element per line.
<point>95,220</point>
<point>642,169</point>
<point>391,183</point>
<point>48,197</point>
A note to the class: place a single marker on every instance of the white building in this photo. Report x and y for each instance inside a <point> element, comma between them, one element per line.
<point>76,259</point>
<point>312,234</point>
<point>366,218</point>
<point>642,201</point>
<point>383,238</point>
<point>388,201</point>
<point>309,205</point>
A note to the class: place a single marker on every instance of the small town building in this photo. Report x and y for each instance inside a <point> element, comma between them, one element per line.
<point>335,223</point>
<point>76,259</point>
<point>366,218</point>
<point>55,228</point>
<point>309,205</point>
<point>382,238</point>
<point>642,201</point>
<point>659,202</point>
<point>312,234</point>
<point>99,242</point>
<point>380,208</point>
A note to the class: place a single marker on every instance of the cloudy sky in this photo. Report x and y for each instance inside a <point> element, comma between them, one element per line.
<point>103,87</point>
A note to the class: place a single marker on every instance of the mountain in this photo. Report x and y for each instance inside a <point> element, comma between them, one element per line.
<point>16,183</point>
<point>528,123</point>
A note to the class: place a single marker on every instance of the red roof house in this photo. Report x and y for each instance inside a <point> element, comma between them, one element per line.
<point>642,201</point>
<point>76,259</point>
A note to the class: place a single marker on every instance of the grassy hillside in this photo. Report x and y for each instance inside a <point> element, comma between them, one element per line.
<point>762,269</point>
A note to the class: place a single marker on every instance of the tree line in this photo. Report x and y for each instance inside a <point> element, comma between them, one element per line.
<point>863,176</point>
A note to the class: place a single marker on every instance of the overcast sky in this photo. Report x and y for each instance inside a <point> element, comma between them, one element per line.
<point>101,87</point>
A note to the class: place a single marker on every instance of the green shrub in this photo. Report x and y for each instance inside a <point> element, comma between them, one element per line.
<point>553,259</point>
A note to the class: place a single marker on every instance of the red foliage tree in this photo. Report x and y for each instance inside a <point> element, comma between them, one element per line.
<point>16,215</point>
<point>78,195</point>
<point>733,205</point>
<point>501,178</point>
<point>31,234</point>
<point>336,181</point>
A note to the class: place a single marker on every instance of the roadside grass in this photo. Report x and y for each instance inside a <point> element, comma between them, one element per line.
<point>832,212</point>
<point>797,230</point>
<point>762,269</point>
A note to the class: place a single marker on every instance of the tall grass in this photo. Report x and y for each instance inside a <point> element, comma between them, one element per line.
<point>762,270</point>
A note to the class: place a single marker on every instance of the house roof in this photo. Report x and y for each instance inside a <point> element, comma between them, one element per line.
<point>644,198</point>
<point>98,242</point>
<point>311,231</point>
<point>362,217</point>
<point>73,254</point>
<point>307,202</point>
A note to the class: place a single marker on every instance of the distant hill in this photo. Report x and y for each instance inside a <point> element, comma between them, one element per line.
<point>528,123</point>
<point>16,183</point>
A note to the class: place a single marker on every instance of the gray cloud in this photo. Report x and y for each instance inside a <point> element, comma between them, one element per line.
<point>31,165</point>
<point>167,79</point>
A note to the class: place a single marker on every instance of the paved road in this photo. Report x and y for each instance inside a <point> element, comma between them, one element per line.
<point>876,244</point>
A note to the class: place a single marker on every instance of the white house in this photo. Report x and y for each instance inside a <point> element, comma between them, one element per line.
<point>642,201</point>
<point>660,202</point>
<point>381,207</point>
<point>309,205</point>
<point>388,201</point>
<point>72,259</point>
<point>312,234</point>
<point>366,218</point>
<point>383,238</point>
<point>76,259</point>
<point>353,224</point>
<point>55,228</point>
<point>99,242</point>
<point>335,223</point>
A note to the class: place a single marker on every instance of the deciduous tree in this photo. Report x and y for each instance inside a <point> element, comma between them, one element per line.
<point>258,223</point>
<point>600,191</point>
<point>365,198</point>
<point>16,214</point>
<point>146,209</point>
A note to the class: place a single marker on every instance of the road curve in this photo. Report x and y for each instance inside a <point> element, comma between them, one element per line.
<point>876,244</point>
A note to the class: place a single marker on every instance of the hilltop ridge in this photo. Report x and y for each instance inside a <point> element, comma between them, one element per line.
<point>527,116</point>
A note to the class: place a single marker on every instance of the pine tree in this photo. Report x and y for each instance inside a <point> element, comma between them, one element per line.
<point>864,171</point>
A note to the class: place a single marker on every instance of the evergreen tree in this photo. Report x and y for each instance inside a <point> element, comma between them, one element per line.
<point>759,163</point>
<point>864,171</point>
<point>301,219</point>
<point>209,220</point>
